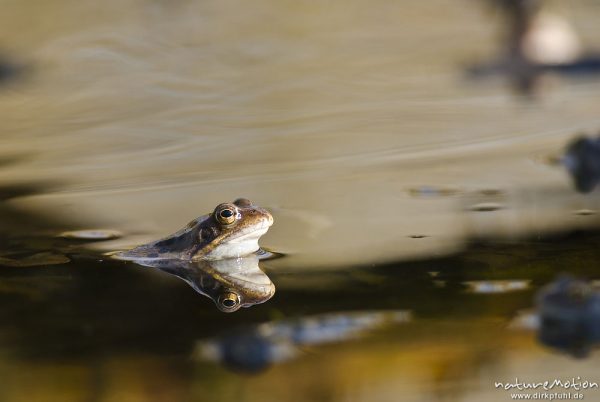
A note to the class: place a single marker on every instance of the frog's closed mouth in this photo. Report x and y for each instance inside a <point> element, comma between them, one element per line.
<point>232,230</point>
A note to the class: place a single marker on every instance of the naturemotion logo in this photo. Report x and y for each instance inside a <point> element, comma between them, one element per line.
<point>556,389</point>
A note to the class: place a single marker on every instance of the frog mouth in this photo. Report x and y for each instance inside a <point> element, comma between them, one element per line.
<point>241,244</point>
<point>254,234</point>
<point>251,233</point>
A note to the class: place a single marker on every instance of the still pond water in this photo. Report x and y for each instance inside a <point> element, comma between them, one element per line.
<point>418,213</point>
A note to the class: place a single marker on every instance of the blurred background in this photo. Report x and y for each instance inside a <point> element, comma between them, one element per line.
<point>412,154</point>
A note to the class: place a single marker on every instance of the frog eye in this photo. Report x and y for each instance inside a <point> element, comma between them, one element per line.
<point>228,302</point>
<point>225,214</point>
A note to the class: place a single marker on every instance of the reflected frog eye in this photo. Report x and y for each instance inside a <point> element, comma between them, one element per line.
<point>228,302</point>
<point>225,215</point>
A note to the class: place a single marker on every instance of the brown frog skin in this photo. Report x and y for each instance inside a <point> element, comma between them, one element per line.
<point>232,230</point>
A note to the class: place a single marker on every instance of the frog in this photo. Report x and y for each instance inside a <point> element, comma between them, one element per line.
<point>232,230</point>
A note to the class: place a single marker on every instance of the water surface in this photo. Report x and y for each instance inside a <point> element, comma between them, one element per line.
<point>392,178</point>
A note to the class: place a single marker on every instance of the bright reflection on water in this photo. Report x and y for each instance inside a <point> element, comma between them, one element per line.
<point>354,123</point>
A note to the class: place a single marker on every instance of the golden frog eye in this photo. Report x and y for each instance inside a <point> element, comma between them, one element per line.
<point>225,214</point>
<point>228,301</point>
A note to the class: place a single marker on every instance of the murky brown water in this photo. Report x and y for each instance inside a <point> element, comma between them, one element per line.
<point>353,122</point>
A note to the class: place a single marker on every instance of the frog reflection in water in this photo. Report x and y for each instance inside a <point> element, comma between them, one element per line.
<point>215,254</point>
<point>231,283</point>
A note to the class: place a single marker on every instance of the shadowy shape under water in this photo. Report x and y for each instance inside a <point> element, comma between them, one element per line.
<point>26,238</point>
<point>10,191</point>
<point>525,76</point>
<point>15,222</point>
<point>231,283</point>
<point>582,160</point>
<point>10,71</point>
<point>255,348</point>
<point>536,44</point>
<point>569,314</point>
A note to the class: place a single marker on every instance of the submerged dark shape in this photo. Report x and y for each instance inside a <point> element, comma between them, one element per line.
<point>9,71</point>
<point>255,348</point>
<point>232,230</point>
<point>569,313</point>
<point>582,160</point>
<point>536,43</point>
<point>231,283</point>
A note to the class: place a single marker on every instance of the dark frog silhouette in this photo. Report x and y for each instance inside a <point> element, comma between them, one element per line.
<point>232,230</point>
<point>582,160</point>
<point>569,312</point>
